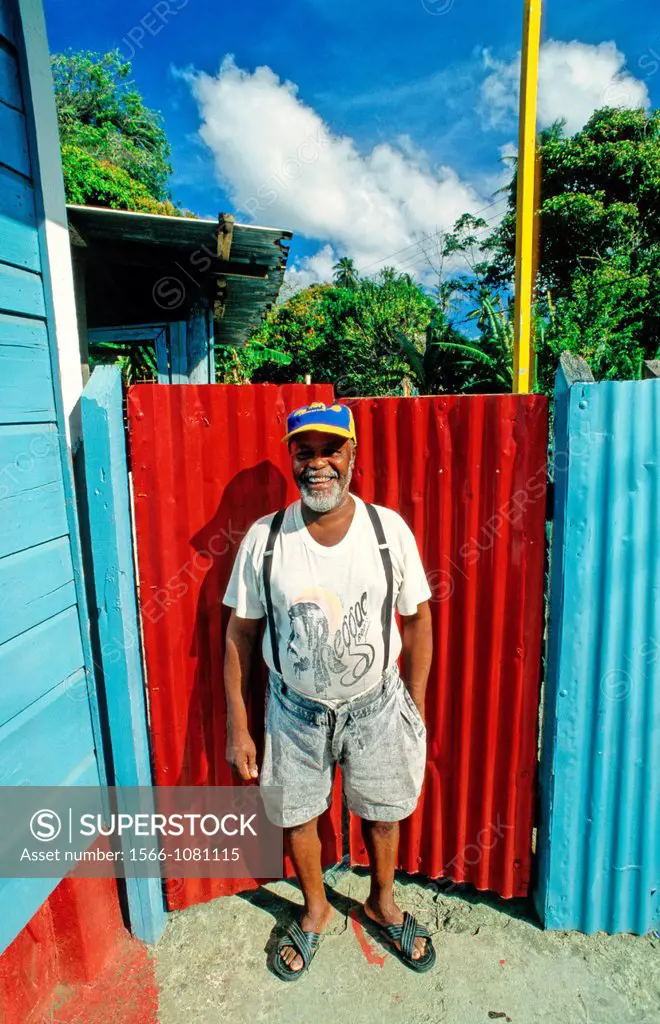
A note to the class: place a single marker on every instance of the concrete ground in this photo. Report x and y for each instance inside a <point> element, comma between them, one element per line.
<point>494,963</point>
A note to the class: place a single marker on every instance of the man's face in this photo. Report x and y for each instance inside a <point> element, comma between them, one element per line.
<point>322,467</point>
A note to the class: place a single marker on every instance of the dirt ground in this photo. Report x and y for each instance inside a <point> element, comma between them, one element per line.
<point>494,963</point>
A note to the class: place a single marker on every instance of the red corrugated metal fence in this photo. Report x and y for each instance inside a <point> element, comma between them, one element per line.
<point>468,475</point>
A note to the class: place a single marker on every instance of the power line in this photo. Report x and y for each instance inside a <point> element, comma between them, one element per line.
<point>420,257</point>
<point>431,234</point>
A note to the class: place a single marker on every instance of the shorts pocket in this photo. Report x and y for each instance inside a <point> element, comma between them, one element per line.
<point>411,712</point>
<point>292,708</point>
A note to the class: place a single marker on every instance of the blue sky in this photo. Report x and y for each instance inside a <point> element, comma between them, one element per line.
<point>400,115</point>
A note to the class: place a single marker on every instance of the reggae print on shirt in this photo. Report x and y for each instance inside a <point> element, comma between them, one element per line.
<point>328,642</point>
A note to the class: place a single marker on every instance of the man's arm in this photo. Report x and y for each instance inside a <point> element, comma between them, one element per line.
<point>242,639</point>
<point>417,651</point>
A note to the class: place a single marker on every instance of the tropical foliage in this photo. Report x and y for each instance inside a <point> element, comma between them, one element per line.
<point>114,148</point>
<point>347,335</point>
<point>137,362</point>
<point>598,282</point>
<point>370,336</point>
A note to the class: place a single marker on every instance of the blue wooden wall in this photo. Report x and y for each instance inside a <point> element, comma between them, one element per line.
<point>46,735</point>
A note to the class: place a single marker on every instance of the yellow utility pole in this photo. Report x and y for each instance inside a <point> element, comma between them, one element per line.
<point>523,354</point>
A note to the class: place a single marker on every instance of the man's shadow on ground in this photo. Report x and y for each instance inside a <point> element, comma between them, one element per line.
<point>285,911</point>
<point>249,495</point>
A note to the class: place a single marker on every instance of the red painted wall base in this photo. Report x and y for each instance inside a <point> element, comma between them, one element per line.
<point>75,963</point>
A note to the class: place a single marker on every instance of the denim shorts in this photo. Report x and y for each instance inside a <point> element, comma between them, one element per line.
<point>379,740</point>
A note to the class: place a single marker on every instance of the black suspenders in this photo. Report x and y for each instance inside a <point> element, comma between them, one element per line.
<point>386,610</point>
<point>386,557</point>
<point>275,528</point>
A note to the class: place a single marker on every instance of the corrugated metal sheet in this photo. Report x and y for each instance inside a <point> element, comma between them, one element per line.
<point>207,460</point>
<point>468,474</point>
<point>599,836</point>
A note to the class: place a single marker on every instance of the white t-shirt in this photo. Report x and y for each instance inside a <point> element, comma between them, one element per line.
<point>327,601</point>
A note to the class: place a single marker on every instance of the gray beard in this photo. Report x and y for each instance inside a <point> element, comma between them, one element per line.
<point>325,502</point>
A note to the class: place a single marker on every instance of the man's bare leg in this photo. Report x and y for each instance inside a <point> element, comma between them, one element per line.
<point>382,842</point>
<point>304,847</point>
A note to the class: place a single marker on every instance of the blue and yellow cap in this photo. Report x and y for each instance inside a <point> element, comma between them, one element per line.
<point>329,419</point>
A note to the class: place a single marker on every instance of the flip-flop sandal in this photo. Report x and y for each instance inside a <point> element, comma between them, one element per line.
<point>405,934</point>
<point>305,943</point>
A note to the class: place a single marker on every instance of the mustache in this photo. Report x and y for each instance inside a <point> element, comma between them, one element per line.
<point>310,476</point>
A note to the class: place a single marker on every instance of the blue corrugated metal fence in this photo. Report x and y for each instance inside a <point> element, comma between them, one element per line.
<point>599,834</point>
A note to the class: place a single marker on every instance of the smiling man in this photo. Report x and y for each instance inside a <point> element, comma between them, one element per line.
<point>329,572</point>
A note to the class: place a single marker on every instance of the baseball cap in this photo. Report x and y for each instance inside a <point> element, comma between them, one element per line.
<point>329,419</point>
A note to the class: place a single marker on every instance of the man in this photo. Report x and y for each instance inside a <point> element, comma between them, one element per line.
<point>328,573</point>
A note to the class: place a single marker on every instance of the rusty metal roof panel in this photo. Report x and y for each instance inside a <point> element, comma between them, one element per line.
<point>177,250</point>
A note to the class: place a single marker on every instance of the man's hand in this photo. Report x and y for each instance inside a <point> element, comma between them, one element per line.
<point>242,754</point>
<point>242,639</point>
<point>417,651</point>
<point>420,707</point>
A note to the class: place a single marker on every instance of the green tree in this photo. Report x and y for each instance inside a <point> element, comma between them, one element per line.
<point>114,148</point>
<point>600,193</point>
<point>598,281</point>
<point>345,273</point>
<point>604,318</point>
<point>347,336</point>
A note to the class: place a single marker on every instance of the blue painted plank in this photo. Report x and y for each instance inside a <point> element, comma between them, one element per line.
<point>7,26</point>
<point>19,241</point>
<point>144,333</point>
<point>48,744</point>
<point>21,291</point>
<point>32,503</point>
<point>10,89</point>
<point>35,585</point>
<point>199,345</point>
<point>45,656</point>
<point>111,550</point>
<point>178,353</point>
<point>106,476</point>
<point>14,152</point>
<point>26,383</point>
<point>163,356</point>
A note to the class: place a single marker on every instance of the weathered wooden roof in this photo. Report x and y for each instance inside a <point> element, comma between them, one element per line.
<point>136,259</point>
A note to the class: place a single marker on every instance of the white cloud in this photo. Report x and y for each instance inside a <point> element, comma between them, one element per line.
<point>574,80</point>
<point>312,269</point>
<point>282,165</point>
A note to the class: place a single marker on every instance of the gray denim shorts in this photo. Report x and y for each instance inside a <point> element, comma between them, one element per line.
<point>379,740</point>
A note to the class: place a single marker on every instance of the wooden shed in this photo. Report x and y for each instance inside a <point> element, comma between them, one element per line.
<point>175,286</point>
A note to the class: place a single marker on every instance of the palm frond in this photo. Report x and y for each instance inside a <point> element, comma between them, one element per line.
<point>273,354</point>
<point>468,350</point>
